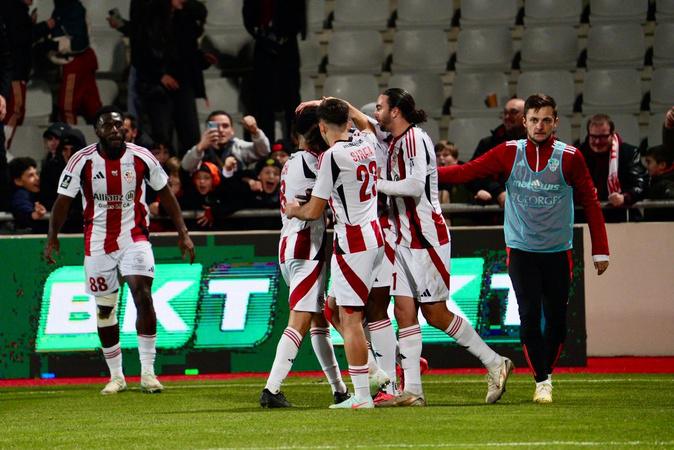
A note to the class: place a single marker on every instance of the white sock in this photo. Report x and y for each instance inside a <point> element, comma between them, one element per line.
<point>147,351</point>
<point>384,344</point>
<point>325,353</point>
<point>113,358</point>
<point>466,337</point>
<point>361,385</point>
<point>410,352</point>
<point>286,351</point>
<point>372,365</point>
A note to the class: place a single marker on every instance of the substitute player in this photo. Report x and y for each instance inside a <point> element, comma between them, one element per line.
<point>347,180</point>
<point>302,260</point>
<point>422,253</point>
<point>112,176</point>
<point>543,176</point>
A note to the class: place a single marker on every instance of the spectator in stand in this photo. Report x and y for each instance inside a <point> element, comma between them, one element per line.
<point>280,152</point>
<point>492,190</point>
<point>52,138</point>
<point>5,82</point>
<point>70,140</point>
<point>447,154</point>
<point>614,165</point>
<point>668,131</point>
<point>175,182</point>
<point>269,175</point>
<point>219,146</point>
<point>169,67</point>
<point>659,163</point>
<point>275,24</point>
<point>209,197</point>
<point>26,208</point>
<point>134,134</point>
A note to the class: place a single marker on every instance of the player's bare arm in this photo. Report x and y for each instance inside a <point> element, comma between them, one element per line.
<point>311,210</point>
<point>360,119</point>
<point>59,213</point>
<point>171,205</point>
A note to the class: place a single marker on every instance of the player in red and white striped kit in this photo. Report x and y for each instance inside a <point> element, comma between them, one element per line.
<point>302,260</point>
<point>347,181</point>
<point>112,176</point>
<point>422,253</point>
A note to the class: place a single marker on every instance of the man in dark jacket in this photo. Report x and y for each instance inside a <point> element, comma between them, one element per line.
<point>491,190</point>
<point>615,166</point>
<point>5,80</point>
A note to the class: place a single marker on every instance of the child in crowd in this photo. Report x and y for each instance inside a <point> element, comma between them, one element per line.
<point>24,205</point>
<point>660,165</point>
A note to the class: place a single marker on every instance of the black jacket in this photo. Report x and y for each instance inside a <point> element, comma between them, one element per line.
<point>631,173</point>
<point>492,185</point>
<point>288,20</point>
<point>20,28</point>
<point>5,61</point>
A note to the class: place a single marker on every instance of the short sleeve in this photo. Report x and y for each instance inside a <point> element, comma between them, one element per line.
<point>69,182</point>
<point>415,157</point>
<point>158,178</point>
<point>324,180</point>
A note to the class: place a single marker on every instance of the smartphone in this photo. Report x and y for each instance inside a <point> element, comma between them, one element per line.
<point>212,125</point>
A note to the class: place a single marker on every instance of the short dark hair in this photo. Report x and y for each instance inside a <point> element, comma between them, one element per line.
<point>403,100</point>
<point>219,112</point>
<point>333,111</point>
<point>306,125</point>
<point>18,166</point>
<point>598,119</point>
<point>107,109</point>
<point>132,119</point>
<point>538,101</point>
<point>660,154</point>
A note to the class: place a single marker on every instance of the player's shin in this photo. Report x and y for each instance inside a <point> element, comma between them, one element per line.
<point>286,351</point>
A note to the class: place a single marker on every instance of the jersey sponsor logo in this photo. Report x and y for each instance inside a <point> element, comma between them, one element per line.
<point>66,181</point>
<point>114,201</point>
<point>537,200</point>
<point>537,185</point>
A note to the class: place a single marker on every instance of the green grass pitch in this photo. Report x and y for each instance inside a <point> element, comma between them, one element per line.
<point>594,411</point>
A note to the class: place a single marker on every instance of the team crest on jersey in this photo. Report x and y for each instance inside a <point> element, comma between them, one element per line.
<point>554,164</point>
<point>115,173</point>
<point>66,181</point>
<point>129,176</point>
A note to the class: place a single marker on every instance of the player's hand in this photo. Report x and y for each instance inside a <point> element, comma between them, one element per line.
<point>501,199</point>
<point>169,83</point>
<point>292,208</point>
<point>303,105</point>
<point>250,125</point>
<point>186,246</point>
<point>483,196</point>
<point>51,246</point>
<point>616,199</point>
<point>601,266</point>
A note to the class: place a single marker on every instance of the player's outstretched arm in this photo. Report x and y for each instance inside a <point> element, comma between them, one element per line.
<point>311,210</point>
<point>168,200</point>
<point>59,213</point>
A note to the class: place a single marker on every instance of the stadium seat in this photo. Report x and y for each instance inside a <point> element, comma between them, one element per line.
<point>655,129</point>
<point>355,52</point>
<point>626,125</point>
<point>310,56</point>
<point>465,133</point>
<point>45,7</point>
<point>612,91</point>
<point>616,45</point>
<point>360,15</point>
<point>108,90</point>
<point>470,90</point>
<point>663,45</point>
<point>484,49</point>
<point>552,12</point>
<point>315,15</point>
<point>432,128</point>
<point>221,93</point>
<point>485,13</point>
<point>98,11</point>
<point>38,104</point>
<point>664,11</point>
<point>357,89</point>
<point>228,43</point>
<point>307,88</point>
<point>27,141</point>
<point>662,89</point>
<point>614,11</point>
<point>424,14</point>
<point>225,15</point>
<point>549,48</point>
<point>558,84</point>
<point>420,51</point>
<point>110,53</point>
<point>426,88</point>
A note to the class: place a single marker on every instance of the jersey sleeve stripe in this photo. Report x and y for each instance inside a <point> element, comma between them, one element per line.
<point>78,156</point>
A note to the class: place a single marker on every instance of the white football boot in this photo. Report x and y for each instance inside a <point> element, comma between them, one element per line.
<point>149,383</point>
<point>378,380</point>
<point>543,393</point>
<point>496,380</point>
<point>114,386</point>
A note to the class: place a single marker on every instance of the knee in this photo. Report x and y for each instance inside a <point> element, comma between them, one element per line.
<point>142,297</point>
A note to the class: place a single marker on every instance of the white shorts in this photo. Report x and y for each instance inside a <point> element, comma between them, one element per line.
<point>353,275</point>
<point>101,270</point>
<point>422,273</point>
<point>385,270</point>
<point>305,280</point>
